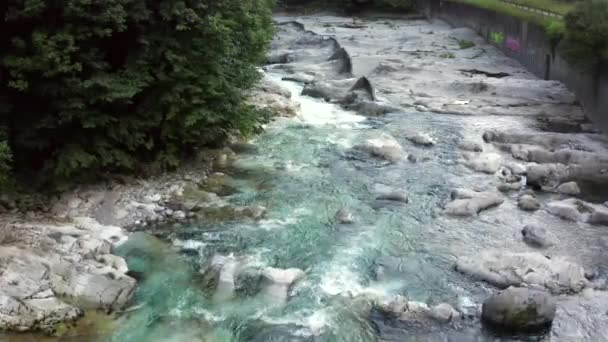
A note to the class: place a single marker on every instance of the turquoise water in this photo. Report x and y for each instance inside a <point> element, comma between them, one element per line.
<point>304,172</point>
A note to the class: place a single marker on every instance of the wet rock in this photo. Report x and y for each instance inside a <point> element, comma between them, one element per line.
<point>470,146</point>
<point>546,175</point>
<point>401,308</point>
<point>519,309</point>
<point>38,314</point>
<point>343,216</point>
<point>507,187</point>
<point>528,203</point>
<point>469,202</point>
<point>384,147</point>
<point>485,162</point>
<point>536,236</point>
<point>443,312</point>
<point>504,269</point>
<point>423,139</point>
<point>569,188</point>
<point>90,286</point>
<point>227,268</point>
<point>280,282</point>
<point>576,210</point>
<point>396,196</point>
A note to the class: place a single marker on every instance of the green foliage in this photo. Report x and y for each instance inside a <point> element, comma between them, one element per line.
<point>5,161</point>
<point>555,31</point>
<point>112,85</point>
<point>586,37</point>
<point>465,44</point>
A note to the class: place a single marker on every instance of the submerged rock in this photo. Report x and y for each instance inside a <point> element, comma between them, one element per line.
<point>504,269</point>
<point>423,139</point>
<point>280,281</point>
<point>519,309</point>
<point>470,146</point>
<point>528,203</point>
<point>343,216</point>
<point>536,236</point>
<point>469,202</point>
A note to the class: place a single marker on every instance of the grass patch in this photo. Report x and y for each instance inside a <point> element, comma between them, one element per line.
<point>555,6</point>
<point>511,10</point>
<point>465,44</point>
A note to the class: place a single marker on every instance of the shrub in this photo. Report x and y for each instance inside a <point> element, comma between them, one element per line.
<point>586,34</point>
<point>112,85</point>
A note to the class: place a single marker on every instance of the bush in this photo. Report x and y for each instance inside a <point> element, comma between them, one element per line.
<point>5,161</point>
<point>113,85</point>
<point>586,34</point>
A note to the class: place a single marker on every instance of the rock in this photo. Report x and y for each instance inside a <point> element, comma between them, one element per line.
<point>570,188</point>
<point>470,146</point>
<point>227,269</point>
<point>519,309</point>
<point>396,196</point>
<point>484,162</point>
<point>504,269</point>
<point>89,286</point>
<point>580,211</point>
<point>469,202</point>
<point>443,312</point>
<point>536,236</point>
<point>528,203</point>
<point>507,187</point>
<point>280,282</point>
<point>423,139</point>
<point>385,147</point>
<point>38,314</point>
<point>179,215</point>
<point>343,216</point>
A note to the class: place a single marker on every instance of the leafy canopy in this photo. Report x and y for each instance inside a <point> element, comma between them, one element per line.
<point>89,86</point>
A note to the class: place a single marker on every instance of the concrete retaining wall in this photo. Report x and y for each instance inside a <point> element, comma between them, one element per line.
<point>529,44</point>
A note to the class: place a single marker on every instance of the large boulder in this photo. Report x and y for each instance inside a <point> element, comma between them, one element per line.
<point>577,210</point>
<point>470,202</point>
<point>519,309</point>
<point>344,216</point>
<point>504,269</point>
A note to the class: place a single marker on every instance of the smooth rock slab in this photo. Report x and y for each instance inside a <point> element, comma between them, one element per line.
<point>570,188</point>
<point>503,269</point>
<point>580,211</point>
<point>519,309</point>
<point>470,202</point>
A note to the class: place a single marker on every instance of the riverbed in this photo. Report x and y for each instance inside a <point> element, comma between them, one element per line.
<point>305,169</point>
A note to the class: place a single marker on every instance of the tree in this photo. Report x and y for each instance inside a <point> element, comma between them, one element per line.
<point>585,42</point>
<point>111,85</point>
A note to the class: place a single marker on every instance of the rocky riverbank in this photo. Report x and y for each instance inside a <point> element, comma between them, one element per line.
<point>421,184</point>
<point>56,258</point>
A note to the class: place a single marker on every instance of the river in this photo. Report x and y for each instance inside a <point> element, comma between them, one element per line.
<point>304,169</point>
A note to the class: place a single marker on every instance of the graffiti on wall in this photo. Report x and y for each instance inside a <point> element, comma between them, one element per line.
<point>513,44</point>
<point>510,43</point>
<point>497,37</point>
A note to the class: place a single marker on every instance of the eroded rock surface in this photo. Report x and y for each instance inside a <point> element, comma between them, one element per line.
<point>467,202</point>
<point>504,269</point>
